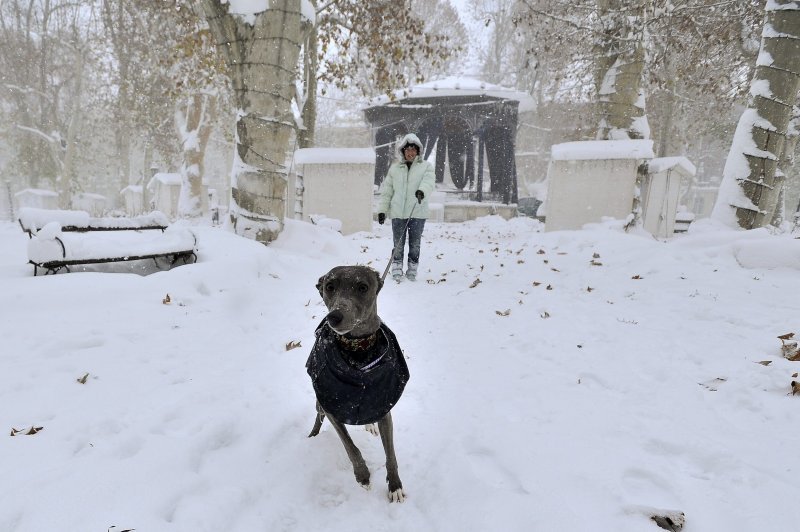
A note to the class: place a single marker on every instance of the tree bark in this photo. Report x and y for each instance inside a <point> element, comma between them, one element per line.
<point>305,135</point>
<point>619,67</point>
<point>68,178</point>
<point>262,58</point>
<point>194,121</point>
<point>751,182</point>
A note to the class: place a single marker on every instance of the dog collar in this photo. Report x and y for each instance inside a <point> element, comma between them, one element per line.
<point>356,344</point>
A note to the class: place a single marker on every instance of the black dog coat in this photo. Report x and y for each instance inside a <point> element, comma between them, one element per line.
<point>357,394</point>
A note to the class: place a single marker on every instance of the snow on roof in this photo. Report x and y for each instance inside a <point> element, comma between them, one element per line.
<point>334,155</point>
<point>662,164</point>
<point>90,195</point>
<point>36,192</point>
<point>460,86</point>
<point>602,149</point>
<point>247,9</point>
<point>165,178</point>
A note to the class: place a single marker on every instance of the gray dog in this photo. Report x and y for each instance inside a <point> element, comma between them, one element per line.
<point>357,367</point>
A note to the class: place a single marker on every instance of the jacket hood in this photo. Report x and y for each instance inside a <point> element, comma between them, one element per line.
<point>408,139</point>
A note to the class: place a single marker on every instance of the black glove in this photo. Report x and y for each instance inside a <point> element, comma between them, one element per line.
<point>419,194</point>
<point>381,218</point>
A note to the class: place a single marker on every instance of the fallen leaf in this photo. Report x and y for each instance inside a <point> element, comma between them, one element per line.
<point>536,283</point>
<point>595,263</point>
<point>541,252</point>
<point>795,387</point>
<point>292,345</point>
<point>520,261</point>
<point>26,432</point>
<point>555,270</point>
<point>764,362</point>
<point>544,315</point>
<point>595,255</point>
<point>786,336</point>
<point>82,380</point>
<point>794,375</point>
<point>506,312</point>
<point>713,384</point>
<point>475,283</point>
<point>589,288</point>
<point>166,300</point>
<point>549,287</point>
<point>637,277</point>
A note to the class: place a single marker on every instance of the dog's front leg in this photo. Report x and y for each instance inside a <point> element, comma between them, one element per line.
<point>396,493</point>
<point>318,421</point>
<point>359,466</point>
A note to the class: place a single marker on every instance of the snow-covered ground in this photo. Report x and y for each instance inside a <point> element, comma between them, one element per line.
<point>588,377</point>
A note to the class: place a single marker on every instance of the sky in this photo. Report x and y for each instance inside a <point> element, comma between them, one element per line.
<point>567,380</point>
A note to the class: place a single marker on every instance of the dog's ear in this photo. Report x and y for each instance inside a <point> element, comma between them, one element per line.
<point>321,283</point>
<point>379,281</point>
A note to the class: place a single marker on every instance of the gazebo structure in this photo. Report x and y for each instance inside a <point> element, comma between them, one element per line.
<point>465,120</point>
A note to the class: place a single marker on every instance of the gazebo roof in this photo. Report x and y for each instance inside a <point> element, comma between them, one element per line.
<point>456,88</point>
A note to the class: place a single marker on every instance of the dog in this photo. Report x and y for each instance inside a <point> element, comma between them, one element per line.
<point>357,367</point>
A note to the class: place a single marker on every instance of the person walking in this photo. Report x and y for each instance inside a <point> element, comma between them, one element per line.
<point>404,196</point>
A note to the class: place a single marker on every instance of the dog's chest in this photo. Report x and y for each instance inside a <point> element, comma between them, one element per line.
<point>357,388</point>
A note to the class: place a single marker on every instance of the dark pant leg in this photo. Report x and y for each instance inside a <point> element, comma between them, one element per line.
<point>415,228</point>
<point>399,234</point>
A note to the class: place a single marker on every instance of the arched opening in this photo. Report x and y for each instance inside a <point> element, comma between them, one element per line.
<point>385,140</point>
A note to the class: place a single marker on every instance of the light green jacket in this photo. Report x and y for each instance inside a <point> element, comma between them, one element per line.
<point>397,191</point>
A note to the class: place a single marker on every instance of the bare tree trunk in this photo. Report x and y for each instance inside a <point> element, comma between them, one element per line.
<point>618,77</point>
<point>306,135</point>
<point>262,58</point>
<point>194,121</point>
<point>68,176</point>
<point>114,18</point>
<point>752,181</point>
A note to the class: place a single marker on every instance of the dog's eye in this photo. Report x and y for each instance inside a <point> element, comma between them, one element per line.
<point>363,287</point>
<point>330,287</point>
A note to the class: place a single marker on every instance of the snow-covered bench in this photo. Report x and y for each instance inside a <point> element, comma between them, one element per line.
<point>31,220</point>
<point>52,249</point>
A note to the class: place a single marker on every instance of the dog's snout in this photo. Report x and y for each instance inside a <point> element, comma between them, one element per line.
<point>335,317</point>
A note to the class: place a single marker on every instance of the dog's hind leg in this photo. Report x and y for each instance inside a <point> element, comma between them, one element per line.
<point>396,493</point>
<point>318,421</point>
<point>359,465</point>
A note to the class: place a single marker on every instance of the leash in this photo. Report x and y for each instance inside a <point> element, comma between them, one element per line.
<point>401,241</point>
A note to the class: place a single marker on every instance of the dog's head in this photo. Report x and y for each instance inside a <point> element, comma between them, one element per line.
<point>351,295</point>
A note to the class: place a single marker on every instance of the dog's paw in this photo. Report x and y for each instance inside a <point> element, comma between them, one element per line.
<point>362,476</point>
<point>372,428</point>
<point>397,495</point>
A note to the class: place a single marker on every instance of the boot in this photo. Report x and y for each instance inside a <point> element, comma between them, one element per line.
<point>411,273</point>
<point>397,271</point>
